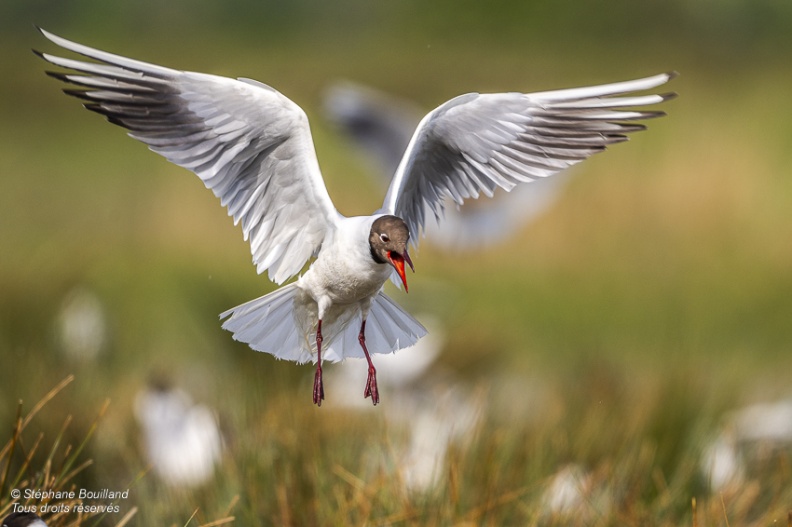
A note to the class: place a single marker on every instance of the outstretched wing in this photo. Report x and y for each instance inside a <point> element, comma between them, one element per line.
<point>475,143</point>
<point>247,142</point>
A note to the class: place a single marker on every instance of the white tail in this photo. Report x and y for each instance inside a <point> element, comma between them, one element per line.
<point>283,324</point>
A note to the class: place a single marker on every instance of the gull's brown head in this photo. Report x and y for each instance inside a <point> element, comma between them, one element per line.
<point>388,241</point>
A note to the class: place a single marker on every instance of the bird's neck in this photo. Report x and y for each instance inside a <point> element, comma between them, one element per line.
<point>376,257</point>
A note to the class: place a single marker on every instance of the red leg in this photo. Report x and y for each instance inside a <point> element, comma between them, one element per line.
<point>371,383</point>
<point>318,389</point>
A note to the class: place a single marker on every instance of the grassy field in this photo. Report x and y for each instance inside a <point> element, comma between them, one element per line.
<point>609,339</point>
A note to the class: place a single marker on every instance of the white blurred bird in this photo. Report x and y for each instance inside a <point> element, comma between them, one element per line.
<point>752,429</point>
<point>182,440</point>
<point>402,371</point>
<point>722,462</point>
<point>82,325</point>
<point>431,406</point>
<point>574,496</point>
<point>252,147</point>
<point>567,490</point>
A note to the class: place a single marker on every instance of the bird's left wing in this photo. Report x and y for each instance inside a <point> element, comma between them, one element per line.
<point>247,142</point>
<point>475,143</point>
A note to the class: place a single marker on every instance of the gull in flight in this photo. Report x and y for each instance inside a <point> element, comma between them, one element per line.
<point>252,147</point>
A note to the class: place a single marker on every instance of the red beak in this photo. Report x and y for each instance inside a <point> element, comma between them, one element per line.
<point>397,261</point>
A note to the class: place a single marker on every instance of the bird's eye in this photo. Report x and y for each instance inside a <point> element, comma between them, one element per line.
<point>384,237</point>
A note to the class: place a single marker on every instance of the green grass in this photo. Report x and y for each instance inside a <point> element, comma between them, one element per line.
<point>613,333</point>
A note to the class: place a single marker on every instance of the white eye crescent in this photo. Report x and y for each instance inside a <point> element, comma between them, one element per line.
<point>384,237</point>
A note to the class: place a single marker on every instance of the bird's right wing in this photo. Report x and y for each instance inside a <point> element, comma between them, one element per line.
<point>248,143</point>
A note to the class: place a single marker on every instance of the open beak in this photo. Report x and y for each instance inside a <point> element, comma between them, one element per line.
<point>397,261</point>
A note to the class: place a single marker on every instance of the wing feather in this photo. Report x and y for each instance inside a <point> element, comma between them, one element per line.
<point>247,142</point>
<point>475,143</point>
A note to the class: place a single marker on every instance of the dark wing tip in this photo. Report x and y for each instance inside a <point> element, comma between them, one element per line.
<point>80,94</point>
<point>111,117</point>
<point>96,107</point>
<point>63,77</point>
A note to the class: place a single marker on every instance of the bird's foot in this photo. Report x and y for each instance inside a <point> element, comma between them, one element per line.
<point>371,387</point>
<point>318,389</point>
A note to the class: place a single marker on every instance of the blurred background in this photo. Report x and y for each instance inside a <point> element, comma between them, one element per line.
<point>594,363</point>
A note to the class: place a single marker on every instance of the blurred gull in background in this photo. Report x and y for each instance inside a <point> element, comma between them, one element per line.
<point>81,324</point>
<point>572,493</point>
<point>381,125</point>
<point>402,370</point>
<point>722,463</point>
<point>769,422</point>
<point>434,408</point>
<point>445,414</point>
<point>182,440</point>
<point>567,490</point>
<point>749,435</point>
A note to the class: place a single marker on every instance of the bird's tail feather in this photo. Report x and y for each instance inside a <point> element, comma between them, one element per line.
<point>268,324</point>
<point>278,325</point>
<point>389,327</point>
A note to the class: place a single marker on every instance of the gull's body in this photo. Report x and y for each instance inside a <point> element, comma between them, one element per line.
<point>344,272</point>
<point>253,148</point>
<point>342,285</point>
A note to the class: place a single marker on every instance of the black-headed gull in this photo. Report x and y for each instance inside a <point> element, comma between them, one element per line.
<point>253,148</point>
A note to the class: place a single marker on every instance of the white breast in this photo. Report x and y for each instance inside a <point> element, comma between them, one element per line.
<point>345,271</point>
